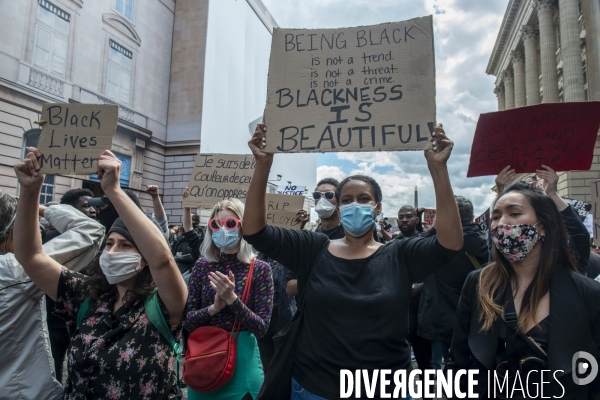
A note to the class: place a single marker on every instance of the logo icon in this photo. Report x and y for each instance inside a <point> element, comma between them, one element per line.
<point>583,372</point>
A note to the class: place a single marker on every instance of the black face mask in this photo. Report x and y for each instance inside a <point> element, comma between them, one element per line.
<point>108,216</point>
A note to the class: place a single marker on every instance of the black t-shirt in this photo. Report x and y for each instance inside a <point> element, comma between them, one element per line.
<point>355,311</point>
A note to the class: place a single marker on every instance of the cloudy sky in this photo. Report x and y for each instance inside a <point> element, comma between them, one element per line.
<point>465,32</point>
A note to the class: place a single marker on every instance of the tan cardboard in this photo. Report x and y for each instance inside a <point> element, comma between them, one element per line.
<point>282,208</point>
<point>217,177</point>
<point>74,135</point>
<point>366,88</point>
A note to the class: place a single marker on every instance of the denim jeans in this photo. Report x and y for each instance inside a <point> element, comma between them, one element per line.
<point>439,350</point>
<point>299,393</point>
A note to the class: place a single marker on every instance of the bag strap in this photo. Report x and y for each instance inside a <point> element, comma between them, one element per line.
<point>244,299</point>
<point>83,311</point>
<point>157,317</point>
<point>473,261</point>
<point>512,321</point>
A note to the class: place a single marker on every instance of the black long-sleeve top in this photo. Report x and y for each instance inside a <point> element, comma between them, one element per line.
<point>355,311</point>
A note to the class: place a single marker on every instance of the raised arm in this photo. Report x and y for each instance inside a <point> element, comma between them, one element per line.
<point>159,210</point>
<point>448,225</point>
<point>255,214</point>
<point>504,178</point>
<point>43,270</point>
<point>187,213</point>
<point>148,237</point>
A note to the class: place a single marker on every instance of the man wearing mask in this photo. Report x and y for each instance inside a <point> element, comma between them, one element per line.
<point>407,223</point>
<point>57,328</point>
<point>326,208</point>
<point>441,290</point>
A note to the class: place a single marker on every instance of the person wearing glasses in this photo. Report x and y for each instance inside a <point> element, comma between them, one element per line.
<point>329,217</point>
<point>356,291</point>
<point>216,282</point>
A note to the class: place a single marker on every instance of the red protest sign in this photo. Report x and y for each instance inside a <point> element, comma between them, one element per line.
<point>559,135</point>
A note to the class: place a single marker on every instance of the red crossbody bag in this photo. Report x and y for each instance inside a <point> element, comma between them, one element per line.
<point>211,352</point>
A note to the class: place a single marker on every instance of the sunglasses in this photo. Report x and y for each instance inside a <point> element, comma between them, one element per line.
<point>327,195</point>
<point>230,224</point>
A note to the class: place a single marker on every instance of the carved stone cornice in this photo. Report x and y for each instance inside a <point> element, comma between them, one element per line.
<point>517,56</point>
<point>499,91</point>
<point>507,76</point>
<point>529,32</point>
<point>546,5</point>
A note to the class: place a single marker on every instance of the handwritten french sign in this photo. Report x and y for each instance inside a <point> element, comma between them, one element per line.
<point>559,135</point>
<point>367,88</point>
<point>217,177</point>
<point>74,135</point>
<point>291,189</point>
<point>281,210</point>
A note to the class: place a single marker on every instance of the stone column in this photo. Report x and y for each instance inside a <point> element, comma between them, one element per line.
<point>499,91</point>
<point>509,90</point>
<point>591,13</point>
<point>532,68</point>
<point>545,9</point>
<point>571,50</point>
<point>518,61</point>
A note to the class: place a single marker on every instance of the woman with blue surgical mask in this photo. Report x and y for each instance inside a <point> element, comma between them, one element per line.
<point>355,291</point>
<point>216,285</point>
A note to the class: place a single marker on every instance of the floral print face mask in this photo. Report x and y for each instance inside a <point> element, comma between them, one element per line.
<point>515,242</point>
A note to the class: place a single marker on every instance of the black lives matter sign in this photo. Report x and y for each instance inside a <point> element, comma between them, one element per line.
<point>74,135</point>
<point>352,89</point>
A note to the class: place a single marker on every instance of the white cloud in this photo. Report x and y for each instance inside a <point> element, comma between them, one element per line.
<point>465,31</point>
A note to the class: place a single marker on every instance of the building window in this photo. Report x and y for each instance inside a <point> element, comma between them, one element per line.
<point>125,7</point>
<point>30,139</point>
<point>51,38</point>
<point>557,30</point>
<point>118,81</point>
<point>125,170</point>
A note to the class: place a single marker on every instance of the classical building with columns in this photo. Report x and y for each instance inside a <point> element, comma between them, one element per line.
<point>158,60</point>
<point>548,51</point>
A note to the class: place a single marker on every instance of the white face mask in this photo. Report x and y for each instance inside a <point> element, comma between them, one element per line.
<point>119,266</point>
<point>324,208</point>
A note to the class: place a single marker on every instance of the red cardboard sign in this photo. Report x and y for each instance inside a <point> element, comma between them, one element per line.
<point>559,135</point>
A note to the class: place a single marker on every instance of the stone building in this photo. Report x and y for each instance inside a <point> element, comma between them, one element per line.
<point>548,51</point>
<point>146,56</point>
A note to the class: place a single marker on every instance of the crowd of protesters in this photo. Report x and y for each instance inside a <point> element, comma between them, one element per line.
<point>124,296</point>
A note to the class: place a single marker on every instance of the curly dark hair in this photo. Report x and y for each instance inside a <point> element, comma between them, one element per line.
<point>71,197</point>
<point>8,209</point>
<point>98,285</point>
<point>363,178</point>
<point>328,181</point>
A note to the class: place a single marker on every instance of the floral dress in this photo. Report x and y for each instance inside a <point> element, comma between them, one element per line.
<point>114,356</point>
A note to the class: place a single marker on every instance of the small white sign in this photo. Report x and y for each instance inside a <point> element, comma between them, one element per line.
<point>291,189</point>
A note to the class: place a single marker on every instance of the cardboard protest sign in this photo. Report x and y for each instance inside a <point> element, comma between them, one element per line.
<point>484,220</point>
<point>217,177</point>
<point>429,215</point>
<point>291,189</point>
<point>367,88</point>
<point>281,210</point>
<point>581,207</point>
<point>74,135</point>
<point>559,135</point>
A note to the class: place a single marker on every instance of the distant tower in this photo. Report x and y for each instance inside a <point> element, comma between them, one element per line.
<point>416,197</point>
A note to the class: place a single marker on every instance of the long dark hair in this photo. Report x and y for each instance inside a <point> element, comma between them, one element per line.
<point>499,276</point>
<point>98,285</point>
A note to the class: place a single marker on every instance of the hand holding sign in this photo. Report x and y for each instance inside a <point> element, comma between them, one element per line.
<point>27,170</point>
<point>504,178</point>
<point>258,142</point>
<point>441,149</point>
<point>109,170</point>
<point>549,180</point>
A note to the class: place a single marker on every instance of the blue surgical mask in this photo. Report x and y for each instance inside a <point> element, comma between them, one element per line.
<point>225,239</point>
<point>357,218</point>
